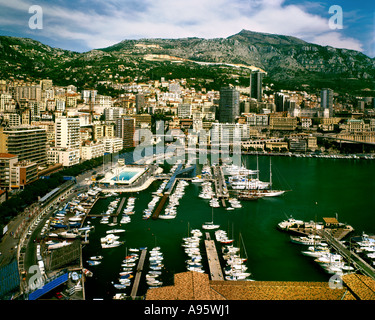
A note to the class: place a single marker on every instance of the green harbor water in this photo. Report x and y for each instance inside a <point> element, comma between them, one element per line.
<point>319,188</point>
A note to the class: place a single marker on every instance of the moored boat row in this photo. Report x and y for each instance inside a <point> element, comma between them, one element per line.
<point>155,268</point>
<point>191,246</point>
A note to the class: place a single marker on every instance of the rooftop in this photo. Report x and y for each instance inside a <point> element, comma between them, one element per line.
<point>7,155</point>
<point>197,286</point>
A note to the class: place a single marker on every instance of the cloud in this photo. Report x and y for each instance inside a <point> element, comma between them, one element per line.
<point>102,23</point>
<point>337,40</point>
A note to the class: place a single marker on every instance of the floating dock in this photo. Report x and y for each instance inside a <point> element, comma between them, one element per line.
<point>138,275</point>
<point>213,260</point>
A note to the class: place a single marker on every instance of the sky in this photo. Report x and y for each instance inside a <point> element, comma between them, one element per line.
<point>83,25</point>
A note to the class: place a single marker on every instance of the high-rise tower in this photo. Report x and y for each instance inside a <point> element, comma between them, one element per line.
<point>229,105</point>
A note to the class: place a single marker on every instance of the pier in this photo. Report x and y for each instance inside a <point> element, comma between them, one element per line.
<point>138,274</point>
<point>119,210</point>
<point>213,259</point>
<point>220,187</point>
<point>115,214</point>
<point>160,206</point>
<point>351,256</point>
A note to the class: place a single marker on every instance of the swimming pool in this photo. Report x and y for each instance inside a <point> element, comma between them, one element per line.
<point>123,175</point>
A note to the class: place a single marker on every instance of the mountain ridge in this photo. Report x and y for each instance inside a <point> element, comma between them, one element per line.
<point>286,59</point>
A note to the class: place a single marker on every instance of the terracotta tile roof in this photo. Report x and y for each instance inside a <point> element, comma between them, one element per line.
<point>197,286</point>
<point>361,286</point>
<point>7,155</point>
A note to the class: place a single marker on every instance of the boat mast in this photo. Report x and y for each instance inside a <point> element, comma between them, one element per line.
<point>243,245</point>
<point>270,174</point>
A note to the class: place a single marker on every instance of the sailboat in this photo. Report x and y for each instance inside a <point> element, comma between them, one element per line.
<point>270,192</point>
<point>210,225</point>
<point>252,187</point>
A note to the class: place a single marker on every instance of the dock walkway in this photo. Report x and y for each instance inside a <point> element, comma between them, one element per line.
<point>138,275</point>
<point>220,189</point>
<point>119,209</point>
<point>160,206</point>
<point>213,260</point>
<point>351,256</point>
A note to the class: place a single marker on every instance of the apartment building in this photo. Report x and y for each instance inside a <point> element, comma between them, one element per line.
<point>7,161</point>
<point>112,145</point>
<point>125,129</point>
<point>27,142</point>
<point>283,123</point>
<point>257,120</point>
<point>92,151</point>
<point>67,132</point>
<point>67,157</point>
<point>224,133</point>
<point>12,119</point>
<point>22,173</point>
<point>184,110</point>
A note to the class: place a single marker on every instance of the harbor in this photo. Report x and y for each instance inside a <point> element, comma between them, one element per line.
<point>194,203</point>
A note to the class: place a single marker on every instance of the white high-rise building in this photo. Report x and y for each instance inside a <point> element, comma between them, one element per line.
<point>67,133</point>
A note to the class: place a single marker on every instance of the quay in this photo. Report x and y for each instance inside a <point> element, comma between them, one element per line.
<point>138,275</point>
<point>213,260</point>
<point>331,224</point>
<point>348,254</point>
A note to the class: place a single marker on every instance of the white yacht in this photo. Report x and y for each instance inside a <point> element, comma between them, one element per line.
<point>291,222</point>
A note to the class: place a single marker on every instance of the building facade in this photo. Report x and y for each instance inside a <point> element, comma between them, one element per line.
<point>125,129</point>
<point>229,105</point>
<point>67,132</point>
<point>256,85</point>
<point>7,161</point>
<point>326,102</point>
<point>27,142</point>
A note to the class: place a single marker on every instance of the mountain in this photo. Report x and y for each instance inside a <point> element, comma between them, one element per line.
<point>289,62</point>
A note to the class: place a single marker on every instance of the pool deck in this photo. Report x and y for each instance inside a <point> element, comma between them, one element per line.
<point>111,177</point>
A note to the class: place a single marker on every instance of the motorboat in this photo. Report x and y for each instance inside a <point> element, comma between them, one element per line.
<point>290,223</point>
<point>115,231</point>
<point>96,257</point>
<point>210,226</point>
<point>316,251</point>
<point>197,180</point>
<point>111,244</point>
<point>306,240</point>
<point>109,237</point>
<point>93,262</point>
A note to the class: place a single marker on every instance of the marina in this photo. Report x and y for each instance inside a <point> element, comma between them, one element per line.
<point>196,202</point>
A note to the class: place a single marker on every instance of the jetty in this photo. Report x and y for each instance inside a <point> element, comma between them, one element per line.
<point>138,274</point>
<point>119,209</point>
<point>348,254</point>
<point>220,186</point>
<point>180,171</point>
<point>160,206</point>
<point>213,259</point>
<point>337,230</point>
